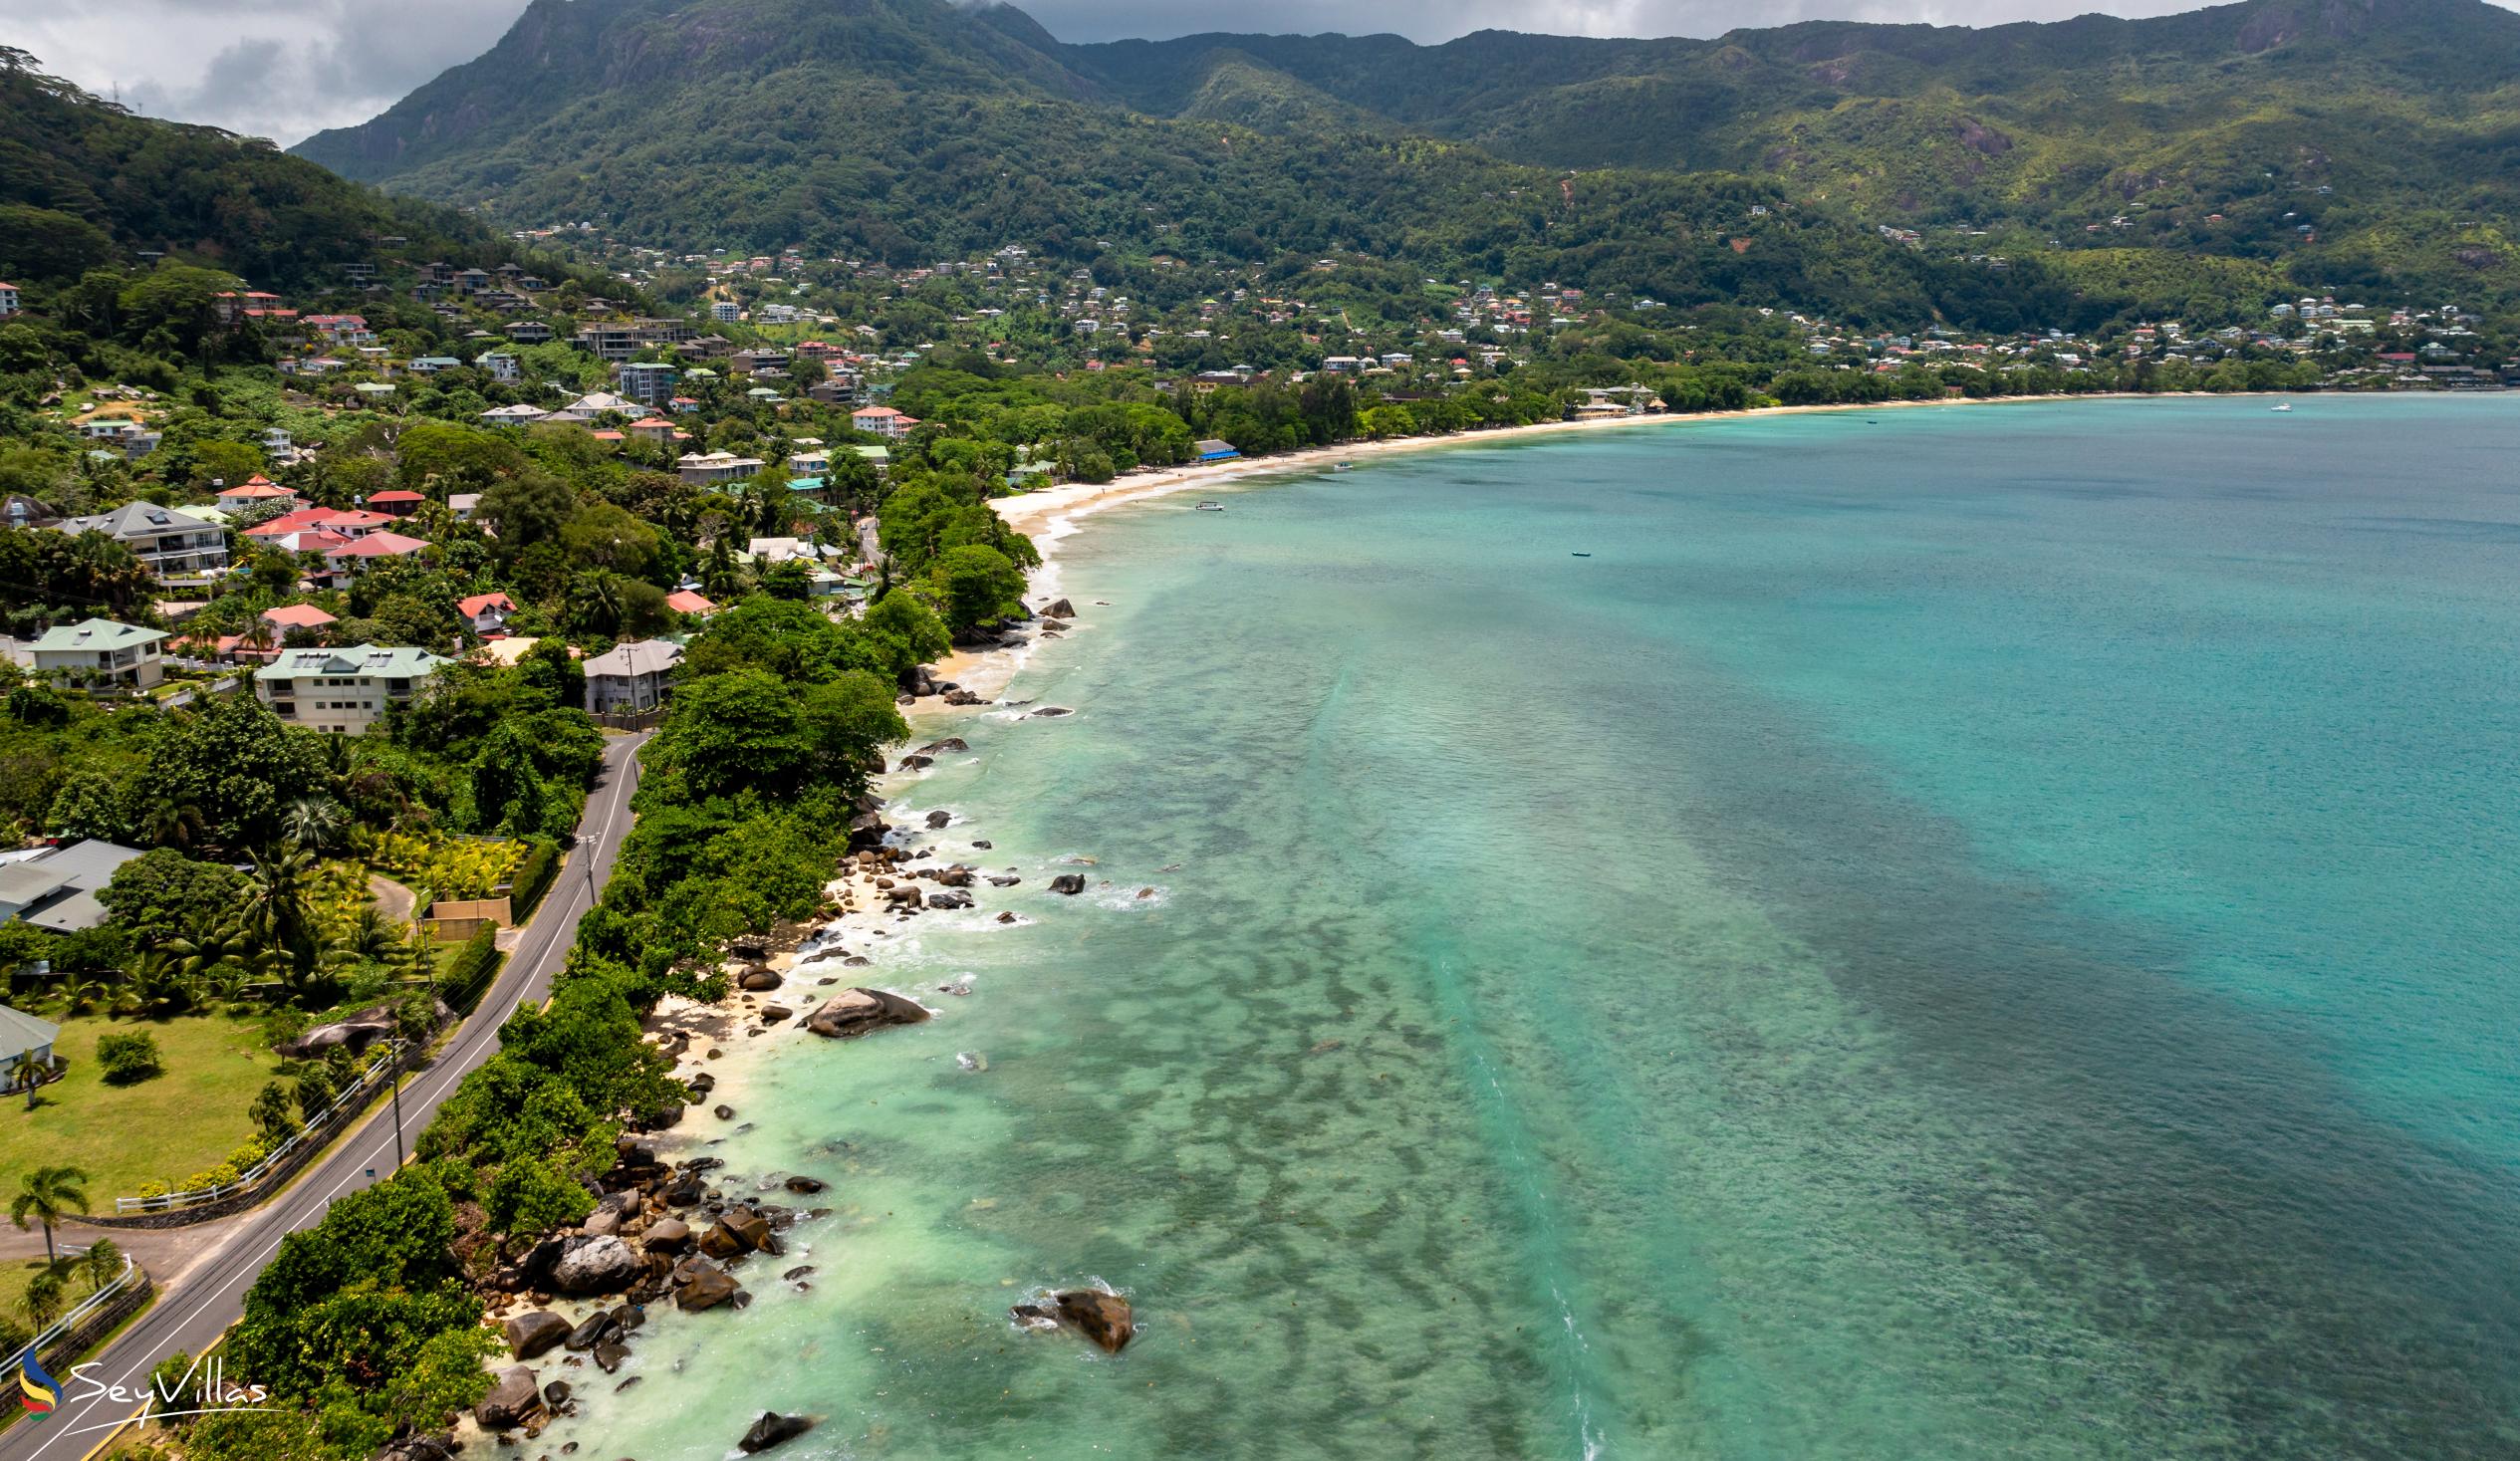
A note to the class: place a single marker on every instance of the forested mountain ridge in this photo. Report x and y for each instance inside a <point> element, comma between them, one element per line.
<point>84,182</point>
<point>2217,156</point>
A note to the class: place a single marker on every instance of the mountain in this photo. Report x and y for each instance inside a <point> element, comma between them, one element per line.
<point>2367,144</point>
<point>84,182</point>
<point>1910,121</point>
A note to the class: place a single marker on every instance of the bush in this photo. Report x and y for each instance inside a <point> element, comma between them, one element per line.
<point>532,878</point>
<point>473,965</point>
<point>130,1059</point>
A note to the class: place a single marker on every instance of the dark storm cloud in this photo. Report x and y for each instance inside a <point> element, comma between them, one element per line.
<point>285,68</point>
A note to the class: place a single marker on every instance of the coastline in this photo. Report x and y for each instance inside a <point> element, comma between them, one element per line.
<point>1054,510</point>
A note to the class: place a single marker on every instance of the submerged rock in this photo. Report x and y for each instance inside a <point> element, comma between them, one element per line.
<point>1103,1318</point>
<point>773,1429</point>
<point>854,1012</point>
<point>1048,713</point>
<point>949,899</point>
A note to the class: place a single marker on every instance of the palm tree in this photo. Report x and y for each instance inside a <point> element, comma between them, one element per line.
<point>79,993</point>
<point>28,1071</point>
<point>44,1298</point>
<point>259,635</point>
<point>281,917</point>
<point>595,600</point>
<point>171,824</point>
<point>102,1263</point>
<point>162,982</point>
<point>370,938</point>
<point>49,1194</point>
<point>316,822</point>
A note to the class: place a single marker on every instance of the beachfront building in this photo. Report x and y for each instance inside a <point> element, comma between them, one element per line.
<point>101,652</point>
<point>343,691</point>
<point>1217,451</point>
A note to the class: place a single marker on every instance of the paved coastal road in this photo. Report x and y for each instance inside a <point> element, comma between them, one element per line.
<point>201,1304</point>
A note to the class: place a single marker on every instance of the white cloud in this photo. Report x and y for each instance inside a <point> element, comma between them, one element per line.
<point>283,69</point>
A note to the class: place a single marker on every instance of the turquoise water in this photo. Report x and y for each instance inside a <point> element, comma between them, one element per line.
<point>1979,933</point>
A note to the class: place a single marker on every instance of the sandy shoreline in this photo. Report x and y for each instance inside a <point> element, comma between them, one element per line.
<point>1052,512</point>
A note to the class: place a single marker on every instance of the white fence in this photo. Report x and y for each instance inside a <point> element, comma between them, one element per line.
<point>71,1321</point>
<point>353,1097</point>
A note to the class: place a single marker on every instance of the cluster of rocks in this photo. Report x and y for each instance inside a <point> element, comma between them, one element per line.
<point>659,1233</point>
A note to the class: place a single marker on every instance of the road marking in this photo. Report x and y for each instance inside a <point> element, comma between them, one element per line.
<point>218,1270</point>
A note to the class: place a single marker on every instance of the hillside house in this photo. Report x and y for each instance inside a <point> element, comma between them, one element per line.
<point>171,544</point>
<point>632,678</point>
<point>343,691</point>
<point>486,614</point>
<point>102,652</point>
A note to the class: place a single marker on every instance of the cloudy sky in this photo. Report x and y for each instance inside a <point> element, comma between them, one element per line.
<point>286,68</point>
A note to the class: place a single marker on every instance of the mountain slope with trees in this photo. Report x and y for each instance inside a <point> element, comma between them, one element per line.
<point>2339,144</point>
<point>86,184</point>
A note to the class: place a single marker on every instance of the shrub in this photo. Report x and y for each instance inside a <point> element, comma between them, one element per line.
<point>472,967</point>
<point>128,1059</point>
<point>532,878</point>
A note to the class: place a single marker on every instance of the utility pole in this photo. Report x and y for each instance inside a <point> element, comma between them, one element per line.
<point>397,1110</point>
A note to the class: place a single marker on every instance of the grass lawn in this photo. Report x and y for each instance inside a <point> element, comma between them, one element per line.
<point>164,1128</point>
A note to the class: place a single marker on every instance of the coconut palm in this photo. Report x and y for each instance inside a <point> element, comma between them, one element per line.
<point>259,635</point>
<point>28,1072</point>
<point>78,992</point>
<point>162,982</point>
<point>101,1263</point>
<point>166,823</point>
<point>281,916</point>
<point>45,1299</point>
<point>48,1194</point>
<point>316,822</point>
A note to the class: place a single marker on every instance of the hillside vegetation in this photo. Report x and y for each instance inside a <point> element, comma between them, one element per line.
<point>84,183</point>
<point>2351,144</point>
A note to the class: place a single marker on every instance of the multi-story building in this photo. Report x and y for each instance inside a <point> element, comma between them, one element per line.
<point>342,691</point>
<point>173,545</point>
<point>632,678</point>
<point>101,652</point>
<point>648,382</point>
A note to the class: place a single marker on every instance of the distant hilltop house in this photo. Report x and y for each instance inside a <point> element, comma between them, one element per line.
<point>8,300</point>
<point>631,678</point>
<point>171,544</point>
<point>256,493</point>
<point>56,889</point>
<point>690,602</point>
<point>881,421</point>
<point>486,614</point>
<point>343,691</point>
<point>101,652</point>
<point>699,470</point>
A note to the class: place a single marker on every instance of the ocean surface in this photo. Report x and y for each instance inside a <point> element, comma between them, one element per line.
<point>1951,934</point>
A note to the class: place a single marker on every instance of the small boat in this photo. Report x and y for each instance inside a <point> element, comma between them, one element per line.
<point>1584,555</point>
<point>1210,507</point>
<point>1345,467</point>
<point>2286,406</point>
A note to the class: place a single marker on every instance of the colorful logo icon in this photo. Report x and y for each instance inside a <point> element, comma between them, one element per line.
<point>38,1391</point>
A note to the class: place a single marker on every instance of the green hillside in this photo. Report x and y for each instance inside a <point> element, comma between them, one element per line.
<point>84,182</point>
<point>2348,144</point>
